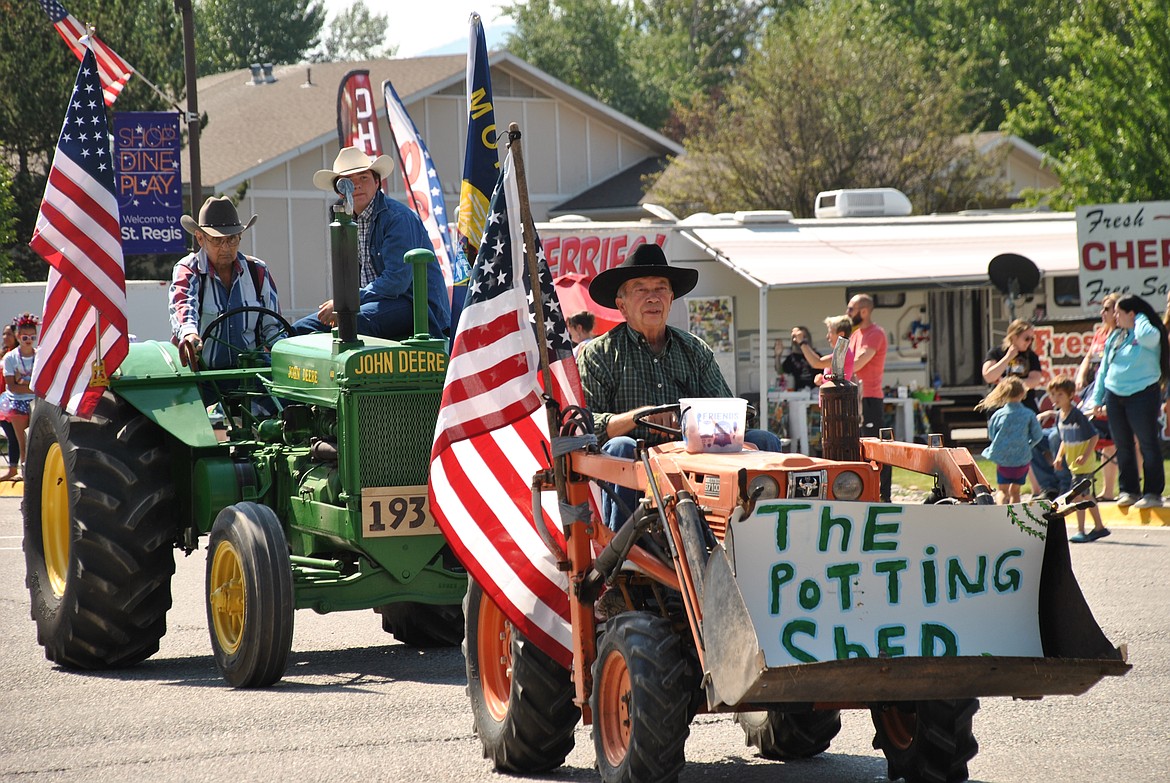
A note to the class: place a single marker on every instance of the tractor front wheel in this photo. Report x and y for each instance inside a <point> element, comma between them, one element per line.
<point>521,699</point>
<point>790,735</point>
<point>640,700</point>
<point>926,741</point>
<point>98,535</point>
<point>249,595</point>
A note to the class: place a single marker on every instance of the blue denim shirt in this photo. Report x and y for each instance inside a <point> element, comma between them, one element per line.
<point>1013,430</point>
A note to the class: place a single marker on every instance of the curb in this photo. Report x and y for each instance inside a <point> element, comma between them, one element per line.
<point>11,489</point>
<point>1113,515</point>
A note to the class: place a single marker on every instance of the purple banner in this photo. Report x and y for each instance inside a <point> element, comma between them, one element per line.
<point>149,182</point>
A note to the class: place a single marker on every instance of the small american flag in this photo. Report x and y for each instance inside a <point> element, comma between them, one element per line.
<point>77,233</point>
<point>115,71</point>
<point>492,427</point>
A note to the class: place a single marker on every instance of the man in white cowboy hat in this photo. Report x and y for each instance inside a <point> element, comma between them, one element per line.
<point>387,230</point>
<point>645,362</point>
<point>217,278</point>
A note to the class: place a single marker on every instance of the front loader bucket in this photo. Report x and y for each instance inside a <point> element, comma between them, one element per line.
<point>1075,652</point>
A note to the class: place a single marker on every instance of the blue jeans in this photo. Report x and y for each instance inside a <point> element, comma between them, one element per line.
<point>623,446</point>
<point>1050,479</point>
<point>1137,415</point>
<point>391,319</point>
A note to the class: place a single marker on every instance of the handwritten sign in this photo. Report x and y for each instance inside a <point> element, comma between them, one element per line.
<point>829,580</point>
<point>150,187</point>
<point>1124,248</point>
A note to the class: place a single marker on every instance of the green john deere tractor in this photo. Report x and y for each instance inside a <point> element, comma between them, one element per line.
<point>306,464</point>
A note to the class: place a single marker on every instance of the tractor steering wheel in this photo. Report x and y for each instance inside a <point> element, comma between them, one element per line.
<point>642,419</point>
<point>209,333</point>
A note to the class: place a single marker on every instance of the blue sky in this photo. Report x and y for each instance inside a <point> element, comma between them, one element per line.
<point>433,26</point>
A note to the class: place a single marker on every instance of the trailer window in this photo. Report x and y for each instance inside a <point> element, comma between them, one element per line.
<point>1066,291</point>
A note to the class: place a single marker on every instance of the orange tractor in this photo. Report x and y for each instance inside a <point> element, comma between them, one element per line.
<point>777,587</point>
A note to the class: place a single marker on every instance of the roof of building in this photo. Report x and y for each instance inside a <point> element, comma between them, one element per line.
<point>616,196</point>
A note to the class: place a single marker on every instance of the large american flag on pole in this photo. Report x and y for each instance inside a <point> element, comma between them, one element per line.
<point>77,233</point>
<point>492,430</point>
<point>114,71</point>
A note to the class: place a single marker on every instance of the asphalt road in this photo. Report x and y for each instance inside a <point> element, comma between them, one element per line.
<point>356,705</point>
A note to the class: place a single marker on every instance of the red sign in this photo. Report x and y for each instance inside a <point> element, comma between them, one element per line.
<point>592,252</point>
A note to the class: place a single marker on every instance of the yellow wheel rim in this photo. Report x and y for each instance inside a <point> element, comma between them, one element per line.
<point>226,595</point>
<point>55,520</point>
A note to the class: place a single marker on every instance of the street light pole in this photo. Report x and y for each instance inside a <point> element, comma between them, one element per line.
<point>184,7</point>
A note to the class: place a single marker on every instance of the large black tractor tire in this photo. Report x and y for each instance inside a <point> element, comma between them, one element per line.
<point>99,534</point>
<point>249,595</point>
<point>640,700</point>
<point>926,741</point>
<point>423,625</point>
<point>521,699</point>
<point>789,735</point>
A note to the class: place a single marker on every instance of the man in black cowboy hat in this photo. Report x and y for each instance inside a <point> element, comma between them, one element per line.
<point>387,230</point>
<point>645,362</point>
<point>216,278</point>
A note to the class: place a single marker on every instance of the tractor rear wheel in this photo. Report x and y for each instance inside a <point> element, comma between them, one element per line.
<point>423,625</point>
<point>98,534</point>
<point>249,595</point>
<point>790,735</point>
<point>521,699</point>
<point>926,741</point>
<point>640,700</point>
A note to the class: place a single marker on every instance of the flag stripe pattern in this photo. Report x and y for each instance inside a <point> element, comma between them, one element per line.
<point>113,70</point>
<point>77,233</point>
<point>492,431</point>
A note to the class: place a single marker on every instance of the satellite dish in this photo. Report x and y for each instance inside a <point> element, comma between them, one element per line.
<point>1014,276</point>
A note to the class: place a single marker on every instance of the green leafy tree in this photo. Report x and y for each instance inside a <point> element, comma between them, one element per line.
<point>231,34</point>
<point>1108,113</point>
<point>833,98</point>
<point>146,33</point>
<point>8,272</point>
<point>355,34</point>
<point>1004,44</point>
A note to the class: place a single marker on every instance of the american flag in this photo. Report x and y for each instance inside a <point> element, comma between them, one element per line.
<point>77,233</point>
<point>489,440</point>
<point>114,71</point>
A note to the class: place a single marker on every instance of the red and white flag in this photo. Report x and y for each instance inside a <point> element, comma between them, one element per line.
<point>492,430</point>
<point>114,71</point>
<point>77,233</point>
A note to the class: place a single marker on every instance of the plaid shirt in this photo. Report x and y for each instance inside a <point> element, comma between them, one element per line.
<point>620,373</point>
<point>363,222</point>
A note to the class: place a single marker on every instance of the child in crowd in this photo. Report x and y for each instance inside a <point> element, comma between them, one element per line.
<point>1078,447</point>
<point>16,402</point>
<point>10,343</point>
<point>1013,430</point>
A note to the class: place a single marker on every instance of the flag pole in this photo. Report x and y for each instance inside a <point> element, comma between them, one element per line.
<point>530,257</point>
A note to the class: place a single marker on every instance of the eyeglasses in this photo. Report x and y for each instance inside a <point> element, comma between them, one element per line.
<point>1029,339</point>
<point>234,239</point>
<point>28,338</point>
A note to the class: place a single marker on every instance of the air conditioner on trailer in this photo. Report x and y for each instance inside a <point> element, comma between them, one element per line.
<point>862,202</point>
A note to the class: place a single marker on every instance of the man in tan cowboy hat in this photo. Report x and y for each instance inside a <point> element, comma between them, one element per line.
<point>645,362</point>
<point>217,278</point>
<point>387,230</point>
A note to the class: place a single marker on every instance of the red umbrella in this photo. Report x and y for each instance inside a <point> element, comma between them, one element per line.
<point>573,292</point>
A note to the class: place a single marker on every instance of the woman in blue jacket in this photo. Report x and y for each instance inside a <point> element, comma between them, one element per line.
<point>1135,365</point>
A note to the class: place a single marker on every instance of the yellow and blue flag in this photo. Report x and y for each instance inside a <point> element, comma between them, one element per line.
<point>481,160</point>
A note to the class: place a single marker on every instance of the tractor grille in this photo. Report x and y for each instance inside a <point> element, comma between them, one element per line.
<point>394,437</point>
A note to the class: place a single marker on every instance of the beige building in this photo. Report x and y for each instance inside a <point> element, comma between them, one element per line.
<point>265,139</point>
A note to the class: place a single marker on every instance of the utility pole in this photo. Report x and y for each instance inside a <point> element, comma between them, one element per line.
<point>184,7</point>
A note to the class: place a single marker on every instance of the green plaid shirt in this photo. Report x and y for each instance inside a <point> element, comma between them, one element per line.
<point>620,373</point>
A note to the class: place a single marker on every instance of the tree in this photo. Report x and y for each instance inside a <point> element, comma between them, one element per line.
<point>355,34</point>
<point>1108,114</point>
<point>833,98</point>
<point>1003,43</point>
<point>8,272</point>
<point>641,57</point>
<point>232,34</point>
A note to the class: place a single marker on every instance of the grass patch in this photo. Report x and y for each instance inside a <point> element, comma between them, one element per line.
<point>908,480</point>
